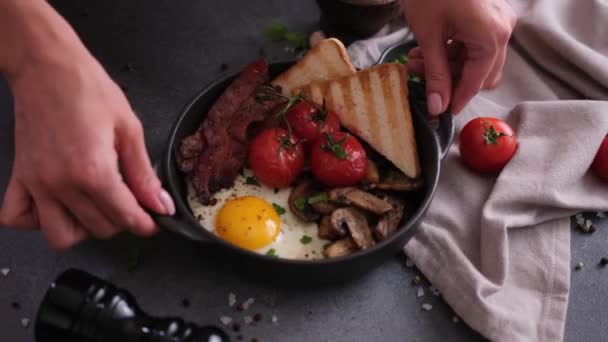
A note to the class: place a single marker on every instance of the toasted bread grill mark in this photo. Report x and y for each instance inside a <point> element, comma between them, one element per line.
<point>392,112</point>
<point>356,118</point>
<point>374,106</point>
<point>337,99</point>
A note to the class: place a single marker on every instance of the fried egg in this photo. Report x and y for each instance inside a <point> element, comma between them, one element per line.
<point>257,218</point>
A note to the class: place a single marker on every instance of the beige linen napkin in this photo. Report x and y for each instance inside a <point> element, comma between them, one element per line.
<point>498,247</point>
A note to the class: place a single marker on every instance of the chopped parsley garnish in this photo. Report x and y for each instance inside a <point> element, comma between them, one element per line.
<point>322,197</point>
<point>251,181</point>
<point>272,253</point>
<point>305,240</point>
<point>280,210</point>
<point>402,58</point>
<point>279,32</point>
<point>301,203</point>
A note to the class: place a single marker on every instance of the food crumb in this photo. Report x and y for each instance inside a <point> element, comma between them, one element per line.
<point>248,320</point>
<point>455,319</point>
<point>5,271</point>
<point>434,291</point>
<point>579,265</point>
<point>231,299</point>
<point>416,280</point>
<point>226,320</point>
<point>16,305</point>
<point>257,317</point>
<point>185,302</point>
<point>420,291</point>
<point>427,306</point>
<point>25,322</point>
<point>246,304</point>
<point>236,326</point>
<point>275,318</point>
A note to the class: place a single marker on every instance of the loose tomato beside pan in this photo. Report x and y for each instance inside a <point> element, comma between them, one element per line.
<point>487,144</point>
<point>600,163</point>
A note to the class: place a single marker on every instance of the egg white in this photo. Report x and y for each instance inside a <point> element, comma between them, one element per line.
<point>287,244</point>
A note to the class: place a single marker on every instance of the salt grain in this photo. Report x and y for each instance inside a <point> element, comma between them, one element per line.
<point>248,320</point>
<point>275,318</point>
<point>246,304</point>
<point>427,306</point>
<point>231,299</point>
<point>420,291</point>
<point>409,262</point>
<point>25,322</point>
<point>226,320</point>
<point>5,271</point>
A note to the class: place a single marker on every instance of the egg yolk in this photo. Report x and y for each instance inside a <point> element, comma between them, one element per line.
<point>248,222</point>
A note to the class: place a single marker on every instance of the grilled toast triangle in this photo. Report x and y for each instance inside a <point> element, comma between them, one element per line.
<point>325,61</point>
<point>373,104</point>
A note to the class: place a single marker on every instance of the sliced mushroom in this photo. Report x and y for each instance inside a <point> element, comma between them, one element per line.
<point>389,222</point>
<point>329,231</point>
<point>298,201</point>
<point>371,173</point>
<point>339,248</point>
<point>360,199</point>
<point>356,223</point>
<point>324,208</point>
<point>397,181</point>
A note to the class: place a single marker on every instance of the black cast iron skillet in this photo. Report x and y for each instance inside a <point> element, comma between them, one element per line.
<point>432,145</point>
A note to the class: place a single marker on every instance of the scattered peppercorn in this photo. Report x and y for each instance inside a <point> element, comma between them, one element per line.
<point>213,201</point>
<point>236,327</point>
<point>603,261</point>
<point>224,67</point>
<point>579,265</point>
<point>416,280</point>
<point>257,317</point>
<point>128,67</point>
<point>16,305</point>
<point>185,302</point>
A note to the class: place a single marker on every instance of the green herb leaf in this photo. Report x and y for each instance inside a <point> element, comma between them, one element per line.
<point>297,41</point>
<point>300,203</point>
<point>402,58</point>
<point>272,253</point>
<point>251,181</point>
<point>305,240</point>
<point>280,210</point>
<point>322,197</point>
<point>414,78</point>
<point>276,31</point>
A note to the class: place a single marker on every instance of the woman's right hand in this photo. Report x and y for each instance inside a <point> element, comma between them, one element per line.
<point>477,31</point>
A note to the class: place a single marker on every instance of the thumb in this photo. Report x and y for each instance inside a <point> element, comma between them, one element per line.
<point>437,74</point>
<point>18,209</point>
<point>138,171</point>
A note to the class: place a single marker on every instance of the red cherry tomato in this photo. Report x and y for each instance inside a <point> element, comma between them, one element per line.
<point>600,163</point>
<point>276,158</point>
<point>487,144</point>
<point>338,159</point>
<point>309,122</point>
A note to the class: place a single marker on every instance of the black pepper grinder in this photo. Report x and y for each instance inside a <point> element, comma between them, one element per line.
<point>81,307</point>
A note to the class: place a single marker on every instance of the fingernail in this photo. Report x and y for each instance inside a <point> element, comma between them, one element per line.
<point>167,202</point>
<point>434,103</point>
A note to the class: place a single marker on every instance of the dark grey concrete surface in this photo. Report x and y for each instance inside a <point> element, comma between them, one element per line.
<point>176,47</point>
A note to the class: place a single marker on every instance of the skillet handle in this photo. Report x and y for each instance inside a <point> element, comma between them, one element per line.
<point>175,223</point>
<point>445,132</point>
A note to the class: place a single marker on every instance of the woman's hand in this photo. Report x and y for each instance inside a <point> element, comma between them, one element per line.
<point>76,137</point>
<point>462,47</point>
